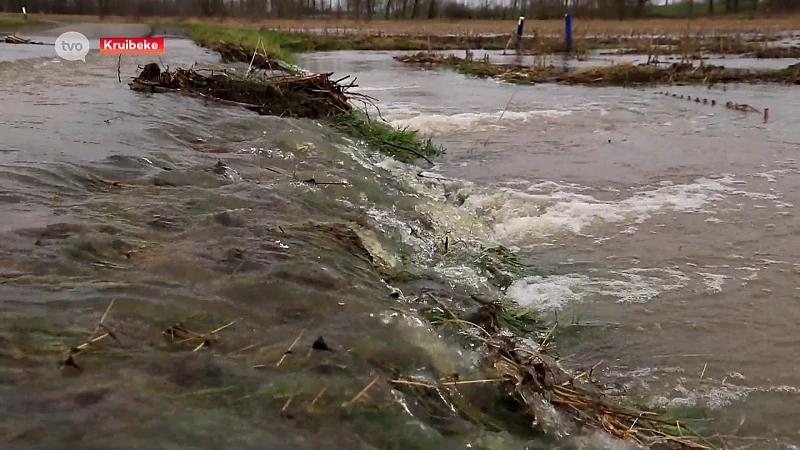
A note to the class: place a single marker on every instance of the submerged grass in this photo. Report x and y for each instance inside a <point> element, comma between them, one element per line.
<point>402,144</point>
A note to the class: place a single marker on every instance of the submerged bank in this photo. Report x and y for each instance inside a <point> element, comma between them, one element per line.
<point>610,75</point>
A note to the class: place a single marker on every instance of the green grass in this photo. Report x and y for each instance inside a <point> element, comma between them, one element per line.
<point>279,45</point>
<point>402,144</point>
<point>9,22</point>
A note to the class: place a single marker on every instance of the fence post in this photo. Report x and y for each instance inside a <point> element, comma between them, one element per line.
<point>520,28</point>
<point>568,31</point>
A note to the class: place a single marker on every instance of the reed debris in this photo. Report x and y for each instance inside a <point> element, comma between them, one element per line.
<point>311,96</point>
<point>100,332</point>
<point>532,379</point>
<point>178,334</point>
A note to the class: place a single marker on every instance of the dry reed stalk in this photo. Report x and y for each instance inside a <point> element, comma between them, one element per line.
<point>69,360</point>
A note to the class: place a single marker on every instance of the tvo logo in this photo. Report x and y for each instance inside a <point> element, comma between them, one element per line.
<point>72,46</point>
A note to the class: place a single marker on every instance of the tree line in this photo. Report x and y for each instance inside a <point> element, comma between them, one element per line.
<point>399,9</point>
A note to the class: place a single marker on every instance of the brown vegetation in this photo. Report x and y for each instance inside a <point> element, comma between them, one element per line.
<point>312,96</point>
<point>611,75</point>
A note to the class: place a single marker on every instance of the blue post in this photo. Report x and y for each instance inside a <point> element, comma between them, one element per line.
<point>520,28</point>
<point>568,31</point>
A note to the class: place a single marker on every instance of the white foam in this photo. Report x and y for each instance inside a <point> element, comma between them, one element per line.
<point>520,216</point>
<point>428,124</point>
<point>388,88</point>
<point>549,293</point>
<point>713,281</point>
<point>637,285</point>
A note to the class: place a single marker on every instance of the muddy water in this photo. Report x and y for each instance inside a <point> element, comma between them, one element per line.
<point>670,226</point>
<point>662,230</point>
<point>214,218</point>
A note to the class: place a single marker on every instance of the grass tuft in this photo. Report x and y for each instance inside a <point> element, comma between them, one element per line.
<point>402,144</point>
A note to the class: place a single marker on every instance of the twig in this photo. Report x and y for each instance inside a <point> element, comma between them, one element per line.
<point>70,358</point>
<point>314,402</point>
<point>364,391</point>
<point>119,68</point>
<point>239,266</point>
<point>289,350</point>
<point>288,402</point>
<point>549,334</point>
<point>447,383</point>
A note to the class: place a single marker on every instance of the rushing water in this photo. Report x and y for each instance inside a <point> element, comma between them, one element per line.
<point>667,228</point>
<point>672,223</point>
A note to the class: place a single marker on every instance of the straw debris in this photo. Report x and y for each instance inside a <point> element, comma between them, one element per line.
<point>69,359</point>
<point>530,376</point>
<point>547,395</point>
<point>178,334</point>
<point>312,96</point>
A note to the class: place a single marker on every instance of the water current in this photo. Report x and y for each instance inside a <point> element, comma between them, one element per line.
<point>664,232</point>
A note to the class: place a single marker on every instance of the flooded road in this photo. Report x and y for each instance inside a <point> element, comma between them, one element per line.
<point>672,225</point>
<point>664,231</point>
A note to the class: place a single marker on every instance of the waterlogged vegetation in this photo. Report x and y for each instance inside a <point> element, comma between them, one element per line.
<point>403,144</point>
<point>310,96</point>
<point>610,75</point>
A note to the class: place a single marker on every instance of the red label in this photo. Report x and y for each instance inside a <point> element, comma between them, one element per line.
<point>132,46</point>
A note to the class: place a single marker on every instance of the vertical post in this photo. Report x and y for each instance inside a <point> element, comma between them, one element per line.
<point>568,31</point>
<point>520,28</point>
<point>24,14</point>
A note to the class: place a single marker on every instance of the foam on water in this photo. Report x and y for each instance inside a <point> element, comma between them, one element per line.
<point>427,123</point>
<point>521,217</point>
<point>635,285</point>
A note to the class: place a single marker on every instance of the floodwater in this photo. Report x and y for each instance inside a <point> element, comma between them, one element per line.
<point>666,230</point>
<point>672,224</point>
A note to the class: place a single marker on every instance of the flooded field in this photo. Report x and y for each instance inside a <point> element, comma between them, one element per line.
<point>662,232</point>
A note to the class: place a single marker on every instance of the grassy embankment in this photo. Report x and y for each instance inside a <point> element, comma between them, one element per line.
<point>17,22</point>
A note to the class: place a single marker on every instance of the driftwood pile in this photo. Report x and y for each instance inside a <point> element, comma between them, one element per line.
<point>312,96</point>
<point>15,40</point>
<point>11,39</point>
